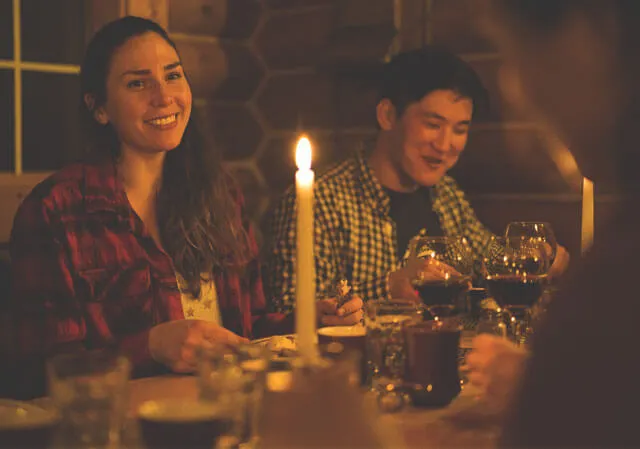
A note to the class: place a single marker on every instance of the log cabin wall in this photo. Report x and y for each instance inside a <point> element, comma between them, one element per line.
<point>263,70</point>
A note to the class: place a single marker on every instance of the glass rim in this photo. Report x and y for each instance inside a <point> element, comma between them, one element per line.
<point>439,238</point>
<point>393,302</point>
<point>399,306</point>
<point>545,223</point>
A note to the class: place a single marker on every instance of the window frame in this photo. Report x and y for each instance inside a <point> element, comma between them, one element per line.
<point>17,65</point>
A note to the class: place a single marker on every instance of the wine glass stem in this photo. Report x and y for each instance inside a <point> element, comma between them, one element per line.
<point>519,325</point>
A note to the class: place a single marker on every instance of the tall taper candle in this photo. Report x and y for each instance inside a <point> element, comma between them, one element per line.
<point>587,214</point>
<point>305,264</point>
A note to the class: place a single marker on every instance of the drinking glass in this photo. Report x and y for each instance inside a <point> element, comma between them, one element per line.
<point>384,321</point>
<point>234,380</point>
<point>432,377</point>
<point>352,338</point>
<point>538,231</point>
<point>516,277</point>
<point>253,360</point>
<point>90,391</point>
<point>444,266</point>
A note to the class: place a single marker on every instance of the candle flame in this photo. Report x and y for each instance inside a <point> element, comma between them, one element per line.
<point>303,153</point>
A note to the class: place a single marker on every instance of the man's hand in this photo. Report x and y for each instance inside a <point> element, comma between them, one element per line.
<point>349,314</point>
<point>425,270</point>
<point>175,343</point>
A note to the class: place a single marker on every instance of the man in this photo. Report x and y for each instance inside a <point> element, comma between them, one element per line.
<point>368,208</point>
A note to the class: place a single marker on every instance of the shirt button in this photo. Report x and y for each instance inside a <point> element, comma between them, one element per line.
<point>388,229</point>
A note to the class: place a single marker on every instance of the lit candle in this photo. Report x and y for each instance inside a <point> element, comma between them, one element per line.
<point>305,268</point>
<point>587,214</point>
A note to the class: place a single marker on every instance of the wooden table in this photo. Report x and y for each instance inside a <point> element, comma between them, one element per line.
<point>461,424</point>
<point>464,423</point>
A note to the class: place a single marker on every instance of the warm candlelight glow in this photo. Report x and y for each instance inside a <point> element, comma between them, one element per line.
<point>303,153</point>
<point>305,267</point>
<point>587,214</point>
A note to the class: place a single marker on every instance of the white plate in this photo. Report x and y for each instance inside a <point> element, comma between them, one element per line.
<point>287,341</point>
<point>21,415</point>
<point>282,346</point>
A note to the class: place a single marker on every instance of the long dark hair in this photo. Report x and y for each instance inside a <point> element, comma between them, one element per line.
<point>197,204</point>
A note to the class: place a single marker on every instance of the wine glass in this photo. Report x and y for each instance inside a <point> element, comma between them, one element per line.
<point>532,230</point>
<point>443,270</point>
<point>516,277</point>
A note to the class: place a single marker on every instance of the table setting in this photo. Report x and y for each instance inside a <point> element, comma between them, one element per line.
<point>241,399</point>
<point>395,380</point>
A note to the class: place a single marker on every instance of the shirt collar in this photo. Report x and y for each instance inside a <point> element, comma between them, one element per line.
<point>373,191</point>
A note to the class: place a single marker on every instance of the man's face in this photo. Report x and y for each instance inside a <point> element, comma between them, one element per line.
<point>431,134</point>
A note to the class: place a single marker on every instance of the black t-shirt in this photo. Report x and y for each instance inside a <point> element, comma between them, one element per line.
<point>412,212</point>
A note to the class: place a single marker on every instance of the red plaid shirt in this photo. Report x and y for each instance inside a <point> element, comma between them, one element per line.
<point>87,274</point>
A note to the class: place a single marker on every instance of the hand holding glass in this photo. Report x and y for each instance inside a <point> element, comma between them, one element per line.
<point>444,266</point>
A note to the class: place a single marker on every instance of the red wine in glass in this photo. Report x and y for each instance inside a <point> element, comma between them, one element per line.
<point>510,290</point>
<point>441,296</point>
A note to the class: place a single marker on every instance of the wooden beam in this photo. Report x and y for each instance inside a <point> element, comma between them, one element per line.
<point>156,10</point>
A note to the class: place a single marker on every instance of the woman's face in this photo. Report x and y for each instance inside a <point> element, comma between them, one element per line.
<point>566,77</point>
<point>148,100</point>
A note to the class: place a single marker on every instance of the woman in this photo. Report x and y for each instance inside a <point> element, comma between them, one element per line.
<point>117,252</point>
<point>577,64</point>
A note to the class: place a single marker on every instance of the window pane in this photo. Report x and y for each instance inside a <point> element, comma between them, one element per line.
<point>53,31</point>
<point>6,29</point>
<point>6,120</point>
<point>51,131</point>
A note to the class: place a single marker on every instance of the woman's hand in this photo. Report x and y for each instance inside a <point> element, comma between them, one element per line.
<point>350,313</point>
<point>175,343</point>
<point>495,366</point>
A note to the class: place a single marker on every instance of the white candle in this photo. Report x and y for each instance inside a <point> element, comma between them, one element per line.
<point>305,265</point>
<point>587,214</point>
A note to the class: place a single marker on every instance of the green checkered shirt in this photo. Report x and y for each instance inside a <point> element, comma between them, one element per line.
<point>355,237</point>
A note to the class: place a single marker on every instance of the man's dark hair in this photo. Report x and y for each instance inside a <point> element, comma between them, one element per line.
<point>412,75</point>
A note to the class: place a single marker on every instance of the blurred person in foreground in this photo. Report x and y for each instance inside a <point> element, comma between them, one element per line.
<point>576,64</point>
